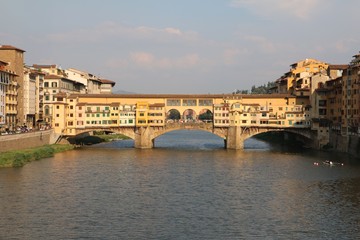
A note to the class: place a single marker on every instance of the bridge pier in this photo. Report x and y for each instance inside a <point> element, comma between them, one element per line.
<point>144,138</point>
<point>234,138</point>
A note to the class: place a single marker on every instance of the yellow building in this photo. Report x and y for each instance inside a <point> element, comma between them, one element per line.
<point>84,111</point>
<point>298,80</point>
<point>277,111</point>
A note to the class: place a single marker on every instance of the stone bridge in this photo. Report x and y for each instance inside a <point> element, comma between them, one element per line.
<point>234,136</point>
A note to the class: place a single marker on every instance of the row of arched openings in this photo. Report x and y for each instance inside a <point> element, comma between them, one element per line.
<point>190,115</point>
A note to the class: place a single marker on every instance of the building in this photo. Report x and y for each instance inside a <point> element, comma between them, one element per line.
<point>8,101</point>
<point>54,84</point>
<point>4,82</point>
<point>15,57</point>
<point>106,86</point>
<point>29,85</point>
<point>279,110</point>
<point>351,97</point>
<point>34,96</point>
<point>8,97</point>
<point>93,111</point>
<point>92,83</point>
<point>298,79</point>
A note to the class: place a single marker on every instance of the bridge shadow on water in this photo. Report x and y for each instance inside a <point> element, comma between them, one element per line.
<point>202,140</point>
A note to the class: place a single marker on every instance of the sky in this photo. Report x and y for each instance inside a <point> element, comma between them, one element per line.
<point>182,46</point>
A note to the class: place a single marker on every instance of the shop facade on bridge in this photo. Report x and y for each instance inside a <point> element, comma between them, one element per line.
<point>76,112</point>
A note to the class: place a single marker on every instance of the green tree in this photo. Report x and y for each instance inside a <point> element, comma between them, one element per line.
<point>174,114</point>
<point>206,116</point>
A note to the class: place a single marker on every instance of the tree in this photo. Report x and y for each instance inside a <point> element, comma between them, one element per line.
<point>206,116</point>
<point>174,114</point>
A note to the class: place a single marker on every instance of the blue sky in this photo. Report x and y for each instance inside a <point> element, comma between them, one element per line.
<point>182,46</point>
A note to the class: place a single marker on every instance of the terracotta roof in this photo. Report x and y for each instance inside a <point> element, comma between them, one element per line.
<point>338,66</point>
<point>60,94</point>
<point>95,104</point>
<point>37,72</point>
<point>44,66</point>
<point>251,104</point>
<point>3,63</point>
<point>9,47</point>
<point>192,96</point>
<point>106,81</point>
<point>157,105</point>
<point>52,77</point>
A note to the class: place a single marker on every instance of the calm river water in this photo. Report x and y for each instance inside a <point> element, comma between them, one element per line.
<point>188,187</point>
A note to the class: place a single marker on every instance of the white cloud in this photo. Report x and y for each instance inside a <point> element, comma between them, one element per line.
<point>148,60</point>
<point>110,30</point>
<point>297,8</point>
<point>260,42</point>
<point>231,55</point>
<point>344,45</point>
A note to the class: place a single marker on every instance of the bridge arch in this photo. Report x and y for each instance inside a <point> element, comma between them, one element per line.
<point>305,135</point>
<point>206,115</point>
<point>173,115</point>
<point>194,126</point>
<point>126,131</point>
<point>189,115</point>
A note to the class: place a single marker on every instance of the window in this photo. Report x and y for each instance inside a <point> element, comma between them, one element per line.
<point>322,103</point>
<point>189,102</point>
<point>173,102</point>
<point>205,102</point>
<point>46,84</point>
<point>322,111</point>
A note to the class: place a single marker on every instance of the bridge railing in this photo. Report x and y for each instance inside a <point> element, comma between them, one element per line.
<point>189,125</point>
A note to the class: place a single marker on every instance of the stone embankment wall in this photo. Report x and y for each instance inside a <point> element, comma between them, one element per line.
<point>350,144</point>
<point>27,140</point>
<point>354,146</point>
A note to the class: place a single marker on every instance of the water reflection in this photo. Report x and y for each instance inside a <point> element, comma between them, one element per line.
<point>188,187</point>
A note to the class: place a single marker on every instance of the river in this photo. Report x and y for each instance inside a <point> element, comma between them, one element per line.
<point>188,187</point>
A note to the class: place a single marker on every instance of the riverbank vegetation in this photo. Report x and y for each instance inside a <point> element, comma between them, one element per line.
<point>19,158</point>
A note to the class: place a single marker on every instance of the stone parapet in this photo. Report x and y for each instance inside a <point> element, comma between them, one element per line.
<point>26,140</point>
